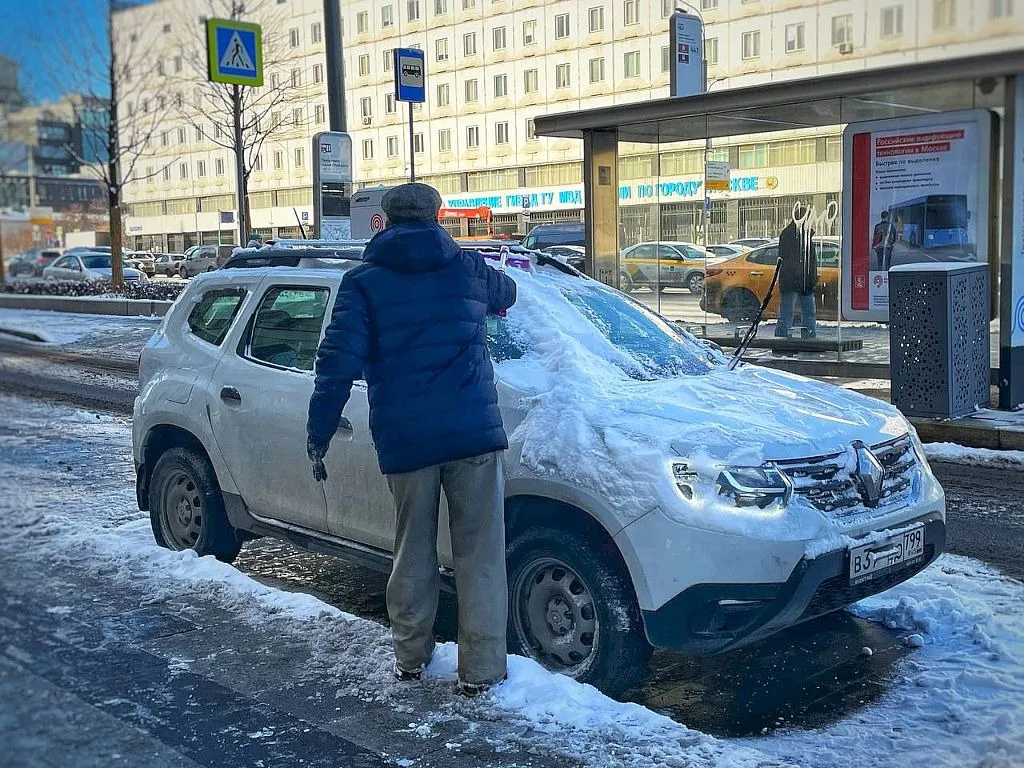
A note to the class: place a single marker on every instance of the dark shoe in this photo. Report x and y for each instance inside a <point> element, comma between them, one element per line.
<point>472,690</point>
<point>408,675</point>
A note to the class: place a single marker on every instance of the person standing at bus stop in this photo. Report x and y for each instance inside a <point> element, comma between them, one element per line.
<point>411,320</point>
<point>798,275</point>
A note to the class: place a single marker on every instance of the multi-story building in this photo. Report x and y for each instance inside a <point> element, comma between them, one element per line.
<point>494,65</point>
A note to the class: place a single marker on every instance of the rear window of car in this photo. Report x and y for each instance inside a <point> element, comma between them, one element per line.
<point>211,318</point>
<point>286,329</point>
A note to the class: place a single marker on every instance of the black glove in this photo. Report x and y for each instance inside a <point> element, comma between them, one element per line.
<point>316,452</point>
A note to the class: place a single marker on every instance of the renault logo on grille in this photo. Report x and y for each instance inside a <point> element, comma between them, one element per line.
<point>870,475</point>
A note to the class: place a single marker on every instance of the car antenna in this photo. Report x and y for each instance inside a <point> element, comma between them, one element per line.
<point>302,229</point>
<point>752,330</point>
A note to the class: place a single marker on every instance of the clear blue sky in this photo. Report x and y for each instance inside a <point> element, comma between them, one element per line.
<point>35,32</point>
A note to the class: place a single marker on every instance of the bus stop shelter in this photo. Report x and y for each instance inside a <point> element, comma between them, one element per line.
<point>993,82</point>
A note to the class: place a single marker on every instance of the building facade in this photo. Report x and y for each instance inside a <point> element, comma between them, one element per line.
<point>494,65</point>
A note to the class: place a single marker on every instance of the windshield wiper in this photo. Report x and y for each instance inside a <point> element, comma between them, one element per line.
<point>752,330</point>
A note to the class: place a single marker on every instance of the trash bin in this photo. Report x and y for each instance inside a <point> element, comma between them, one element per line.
<point>939,352</point>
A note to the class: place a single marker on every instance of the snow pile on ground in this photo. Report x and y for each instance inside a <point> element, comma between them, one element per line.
<point>984,457</point>
<point>67,327</point>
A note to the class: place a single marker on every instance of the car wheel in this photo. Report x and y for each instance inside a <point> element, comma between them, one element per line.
<point>573,610</point>
<point>168,273</point>
<point>695,284</point>
<point>210,269</point>
<point>183,273</point>
<point>740,305</point>
<point>186,507</point>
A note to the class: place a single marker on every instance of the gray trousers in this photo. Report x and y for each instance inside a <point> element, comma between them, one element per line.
<point>475,489</point>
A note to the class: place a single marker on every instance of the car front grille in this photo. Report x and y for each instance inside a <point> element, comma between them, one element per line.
<point>830,485</point>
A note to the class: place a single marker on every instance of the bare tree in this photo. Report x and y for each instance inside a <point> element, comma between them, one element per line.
<point>263,113</point>
<point>108,72</point>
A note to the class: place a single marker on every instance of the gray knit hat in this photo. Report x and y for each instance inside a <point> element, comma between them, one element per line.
<point>411,202</point>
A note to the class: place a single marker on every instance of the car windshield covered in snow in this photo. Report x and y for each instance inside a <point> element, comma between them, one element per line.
<point>653,347</point>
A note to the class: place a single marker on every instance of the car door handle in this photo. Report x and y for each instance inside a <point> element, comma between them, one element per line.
<point>757,273</point>
<point>230,395</point>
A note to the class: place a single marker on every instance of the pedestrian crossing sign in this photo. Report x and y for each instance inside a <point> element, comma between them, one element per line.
<point>235,52</point>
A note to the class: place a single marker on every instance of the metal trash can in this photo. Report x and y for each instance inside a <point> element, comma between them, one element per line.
<point>939,352</point>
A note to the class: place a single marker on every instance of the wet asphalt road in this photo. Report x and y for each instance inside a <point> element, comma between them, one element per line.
<point>808,676</point>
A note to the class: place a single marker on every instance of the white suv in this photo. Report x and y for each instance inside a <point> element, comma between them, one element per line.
<point>654,497</point>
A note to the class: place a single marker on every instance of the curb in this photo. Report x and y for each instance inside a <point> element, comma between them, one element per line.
<point>969,435</point>
<point>87,305</point>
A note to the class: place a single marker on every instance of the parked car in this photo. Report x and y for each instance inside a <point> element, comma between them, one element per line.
<point>666,264</point>
<point>198,258</point>
<point>142,261</point>
<point>644,507</point>
<point>735,288</point>
<point>32,263</point>
<point>753,242</point>
<point>168,263</point>
<point>87,266</point>
<point>546,235</point>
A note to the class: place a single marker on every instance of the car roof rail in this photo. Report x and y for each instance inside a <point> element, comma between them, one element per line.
<point>297,253</point>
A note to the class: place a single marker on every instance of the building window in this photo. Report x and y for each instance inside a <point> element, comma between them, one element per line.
<point>563,76</point>
<point>257,163</point>
<point>444,140</point>
<point>469,44</point>
<point>500,86</point>
<point>297,116</point>
<point>293,38</point>
<point>183,170</point>
<point>473,136</point>
<point>472,94</point>
<point>275,81</point>
<point>666,58</point>
<point>530,84</point>
<point>182,137</point>
<point>388,57</point>
<point>390,107</point>
<point>362,22</point>
<point>167,173</point>
<point>752,44</point>
<point>441,49</point>
<point>444,97</point>
<point>631,63</point>
<point>440,7</point>
<point>711,50</point>
<point>218,166</point>
<point>892,21</point>
<point>364,66</point>
<point>667,6</point>
<point>529,32</point>
<point>413,10</point>
<point>708,5</point>
<point>278,160</point>
<point>795,37</point>
<point>201,169</point>
<point>944,14</point>
<point>501,133</point>
<point>842,29</point>
<point>531,130</point>
<point>392,146</point>
<point>468,4</point>
<point>316,32</point>
<point>177,64</point>
<point>596,16</point>
<point>753,156</point>
<point>199,133</point>
<point>597,70</point>
<point>1000,9</point>
<point>300,157</point>
<point>296,78</point>
<point>417,143</point>
<point>366,106</point>
<point>318,73</point>
<point>631,12</point>
<point>367,149</point>
<point>498,33</point>
<point>387,16</point>
<point>561,26</point>
<point>319,114</point>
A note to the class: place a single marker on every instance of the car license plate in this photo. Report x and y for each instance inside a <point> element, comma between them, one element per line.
<point>870,561</point>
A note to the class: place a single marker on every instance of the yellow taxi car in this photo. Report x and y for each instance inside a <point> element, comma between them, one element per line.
<point>665,264</point>
<point>735,288</point>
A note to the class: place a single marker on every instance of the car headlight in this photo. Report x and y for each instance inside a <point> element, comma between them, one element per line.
<point>746,486</point>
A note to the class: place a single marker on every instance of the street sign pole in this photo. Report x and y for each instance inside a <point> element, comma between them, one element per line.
<point>236,104</point>
<point>412,148</point>
<point>411,86</point>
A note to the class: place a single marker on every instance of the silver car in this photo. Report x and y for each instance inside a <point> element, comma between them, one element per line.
<point>85,266</point>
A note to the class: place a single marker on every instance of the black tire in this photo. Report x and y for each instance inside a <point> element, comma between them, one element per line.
<point>566,563</point>
<point>210,269</point>
<point>695,283</point>
<point>740,305</point>
<point>183,273</point>
<point>187,509</point>
<point>168,272</point>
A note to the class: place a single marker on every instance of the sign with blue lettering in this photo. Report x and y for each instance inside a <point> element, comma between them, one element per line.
<point>234,52</point>
<point>410,75</point>
<point>687,73</point>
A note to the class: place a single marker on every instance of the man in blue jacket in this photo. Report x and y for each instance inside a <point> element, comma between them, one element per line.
<point>411,320</point>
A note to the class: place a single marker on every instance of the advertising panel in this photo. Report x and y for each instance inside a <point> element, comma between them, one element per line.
<point>332,186</point>
<point>686,47</point>
<point>915,190</point>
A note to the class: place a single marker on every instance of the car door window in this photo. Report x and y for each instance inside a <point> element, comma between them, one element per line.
<point>642,252</point>
<point>286,329</point>
<point>62,263</point>
<point>668,253</point>
<point>211,318</point>
<point>828,255</point>
<point>768,255</point>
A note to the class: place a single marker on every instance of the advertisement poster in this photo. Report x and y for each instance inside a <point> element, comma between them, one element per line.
<point>686,43</point>
<point>915,191</point>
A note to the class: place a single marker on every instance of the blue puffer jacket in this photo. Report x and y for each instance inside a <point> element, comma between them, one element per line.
<point>412,320</point>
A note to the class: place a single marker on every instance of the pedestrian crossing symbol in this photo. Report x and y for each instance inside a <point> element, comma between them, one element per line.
<point>235,52</point>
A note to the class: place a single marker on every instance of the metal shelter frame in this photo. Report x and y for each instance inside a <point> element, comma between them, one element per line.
<point>990,81</point>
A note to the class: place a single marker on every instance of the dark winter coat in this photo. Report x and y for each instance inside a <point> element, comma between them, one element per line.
<point>799,272</point>
<point>412,321</point>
